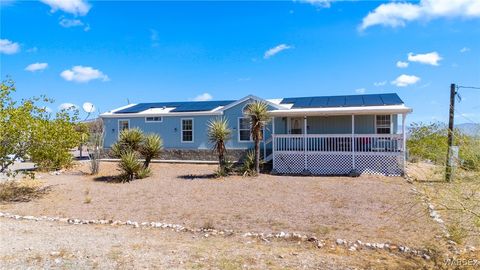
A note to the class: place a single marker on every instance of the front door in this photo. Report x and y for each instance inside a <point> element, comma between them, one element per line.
<point>296,125</point>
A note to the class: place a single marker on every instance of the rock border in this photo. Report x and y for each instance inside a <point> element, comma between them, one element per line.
<point>207,232</point>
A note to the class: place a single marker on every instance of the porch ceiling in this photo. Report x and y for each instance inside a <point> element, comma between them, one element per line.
<point>394,109</point>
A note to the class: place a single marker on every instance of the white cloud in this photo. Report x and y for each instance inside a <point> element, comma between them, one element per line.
<point>273,51</point>
<point>66,106</point>
<point>398,14</point>
<point>360,90</point>
<point>405,80</point>
<point>401,64</point>
<point>67,23</point>
<point>8,47</point>
<point>83,74</point>
<point>464,50</point>
<point>36,67</point>
<point>431,58</point>
<point>382,83</point>
<point>203,97</point>
<point>75,7</point>
<point>318,3</point>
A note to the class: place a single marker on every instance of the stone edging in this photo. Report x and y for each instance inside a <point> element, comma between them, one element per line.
<point>319,243</point>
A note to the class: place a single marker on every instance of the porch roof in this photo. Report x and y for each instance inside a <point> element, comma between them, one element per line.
<point>362,110</point>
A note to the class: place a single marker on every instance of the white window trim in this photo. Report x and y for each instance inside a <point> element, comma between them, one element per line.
<point>118,125</point>
<point>238,131</point>
<point>181,130</point>
<point>391,123</point>
<point>161,117</point>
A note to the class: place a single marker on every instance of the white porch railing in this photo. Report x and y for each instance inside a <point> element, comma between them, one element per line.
<point>338,142</point>
<point>338,153</point>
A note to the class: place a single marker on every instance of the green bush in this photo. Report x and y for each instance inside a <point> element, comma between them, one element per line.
<point>131,145</point>
<point>53,139</point>
<point>129,165</point>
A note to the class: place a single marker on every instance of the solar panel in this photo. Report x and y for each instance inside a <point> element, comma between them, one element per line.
<point>353,101</point>
<point>390,99</point>
<point>372,100</point>
<point>338,101</point>
<point>188,106</point>
<point>319,102</point>
<point>343,101</point>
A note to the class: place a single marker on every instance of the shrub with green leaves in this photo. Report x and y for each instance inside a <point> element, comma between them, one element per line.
<point>429,142</point>
<point>129,165</point>
<point>248,167</point>
<point>132,145</point>
<point>218,134</point>
<point>150,148</point>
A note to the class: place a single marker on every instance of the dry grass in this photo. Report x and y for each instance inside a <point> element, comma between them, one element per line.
<point>21,190</point>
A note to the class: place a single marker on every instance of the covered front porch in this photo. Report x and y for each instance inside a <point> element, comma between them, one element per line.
<point>330,144</point>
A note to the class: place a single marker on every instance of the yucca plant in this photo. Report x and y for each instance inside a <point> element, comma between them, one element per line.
<point>150,148</point>
<point>259,117</point>
<point>218,134</point>
<point>129,165</point>
<point>248,167</point>
<point>130,140</point>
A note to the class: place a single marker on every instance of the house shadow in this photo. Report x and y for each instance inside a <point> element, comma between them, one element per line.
<point>197,176</point>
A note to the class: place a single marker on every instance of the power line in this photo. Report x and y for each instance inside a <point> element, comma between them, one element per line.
<point>468,87</point>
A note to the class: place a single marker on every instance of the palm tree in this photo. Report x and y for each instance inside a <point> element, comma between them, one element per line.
<point>259,117</point>
<point>218,134</point>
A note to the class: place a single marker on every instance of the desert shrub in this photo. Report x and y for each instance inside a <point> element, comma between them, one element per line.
<point>130,140</point>
<point>429,142</point>
<point>248,167</point>
<point>129,165</point>
<point>150,148</point>
<point>143,172</point>
<point>96,144</point>
<point>457,233</point>
<point>224,170</point>
<point>20,191</point>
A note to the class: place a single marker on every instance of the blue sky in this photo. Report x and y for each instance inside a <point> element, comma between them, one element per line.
<point>108,52</point>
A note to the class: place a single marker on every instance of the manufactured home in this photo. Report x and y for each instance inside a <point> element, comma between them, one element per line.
<point>325,135</point>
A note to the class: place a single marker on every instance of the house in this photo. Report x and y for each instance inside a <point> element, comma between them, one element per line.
<point>330,135</point>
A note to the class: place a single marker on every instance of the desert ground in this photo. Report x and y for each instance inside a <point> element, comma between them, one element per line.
<point>370,209</point>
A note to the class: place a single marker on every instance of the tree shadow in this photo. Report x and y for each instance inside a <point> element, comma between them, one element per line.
<point>197,176</point>
<point>108,179</point>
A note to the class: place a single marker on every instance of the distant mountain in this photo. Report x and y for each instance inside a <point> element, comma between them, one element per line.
<point>471,129</point>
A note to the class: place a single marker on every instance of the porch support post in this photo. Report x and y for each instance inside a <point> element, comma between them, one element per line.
<point>305,169</point>
<point>273,145</point>
<point>404,142</point>
<point>353,142</point>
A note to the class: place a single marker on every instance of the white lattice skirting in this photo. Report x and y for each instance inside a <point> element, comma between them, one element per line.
<point>333,163</point>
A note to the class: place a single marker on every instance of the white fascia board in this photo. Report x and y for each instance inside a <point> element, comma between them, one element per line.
<point>394,109</point>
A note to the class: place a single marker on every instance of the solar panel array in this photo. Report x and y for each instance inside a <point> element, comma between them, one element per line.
<point>343,101</point>
<point>187,106</point>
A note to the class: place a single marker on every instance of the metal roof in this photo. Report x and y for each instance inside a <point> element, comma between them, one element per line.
<point>343,101</point>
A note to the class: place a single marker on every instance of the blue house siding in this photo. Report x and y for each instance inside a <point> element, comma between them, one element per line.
<point>170,129</point>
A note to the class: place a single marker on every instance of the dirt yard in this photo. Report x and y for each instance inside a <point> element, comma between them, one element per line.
<point>368,208</point>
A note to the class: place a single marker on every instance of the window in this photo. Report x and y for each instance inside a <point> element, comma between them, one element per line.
<point>244,129</point>
<point>383,124</point>
<point>123,124</point>
<point>187,130</point>
<point>153,119</point>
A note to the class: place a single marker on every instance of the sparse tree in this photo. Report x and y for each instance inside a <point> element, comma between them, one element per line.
<point>259,117</point>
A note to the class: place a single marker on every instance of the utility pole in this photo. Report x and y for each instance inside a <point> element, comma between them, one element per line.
<point>449,170</point>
